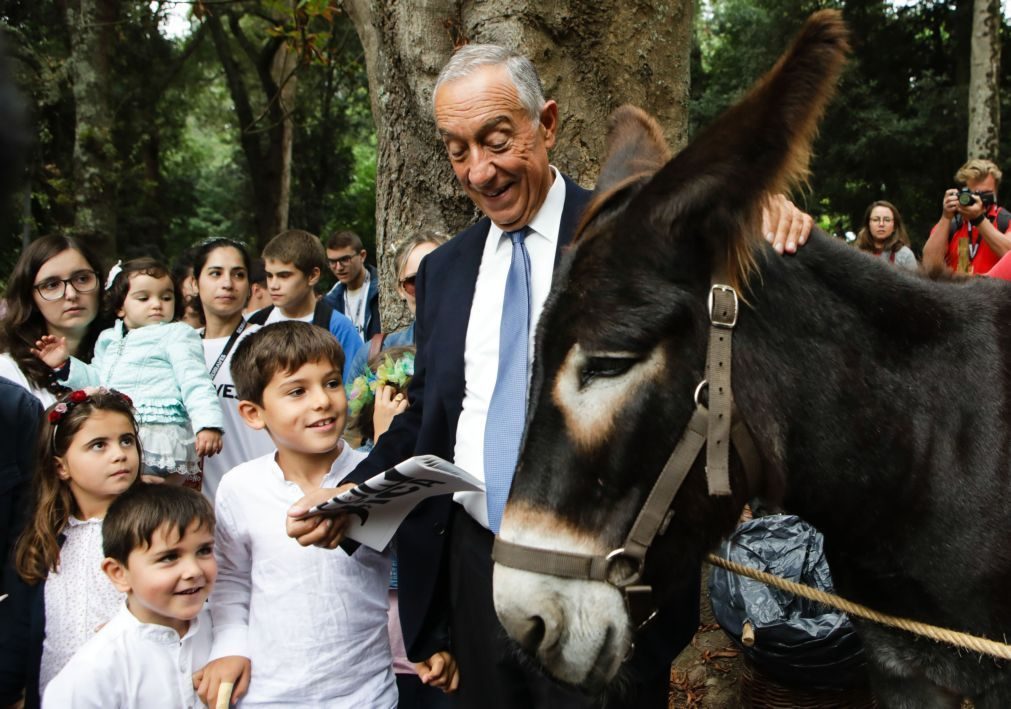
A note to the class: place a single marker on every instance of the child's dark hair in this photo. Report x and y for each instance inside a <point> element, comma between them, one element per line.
<point>362,421</point>
<point>145,266</point>
<point>38,549</point>
<point>138,513</point>
<point>298,247</point>
<point>281,347</point>
<point>257,272</point>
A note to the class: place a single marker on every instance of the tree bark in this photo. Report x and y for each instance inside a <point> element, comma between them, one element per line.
<point>95,169</point>
<point>984,75</point>
<point>592,57</point>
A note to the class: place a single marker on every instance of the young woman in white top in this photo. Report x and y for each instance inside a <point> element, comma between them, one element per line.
<point>55,289</point>
<point>221,270</point>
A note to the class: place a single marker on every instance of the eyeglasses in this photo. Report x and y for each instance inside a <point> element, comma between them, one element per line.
<point>56,288</point>
<point>408,283</point>
<point>881,220</point>
<point>340,260</point>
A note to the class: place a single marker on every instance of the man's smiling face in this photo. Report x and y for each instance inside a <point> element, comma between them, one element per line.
<point>499,154</point>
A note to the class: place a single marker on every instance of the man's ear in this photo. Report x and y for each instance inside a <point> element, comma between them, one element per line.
<point>250,413</point>
<point>117,573</point>
<point>549,123</point>
<point>314,276</point>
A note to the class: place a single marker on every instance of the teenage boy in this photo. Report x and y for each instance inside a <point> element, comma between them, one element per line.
<point>357,291</point>
<point>294,260</point>
<point>159,546</point>
<point>311,621</point>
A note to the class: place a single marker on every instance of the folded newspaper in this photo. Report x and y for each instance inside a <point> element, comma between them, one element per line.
<point>378,505</point>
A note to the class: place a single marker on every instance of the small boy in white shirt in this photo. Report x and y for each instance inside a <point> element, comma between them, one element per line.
<point>159,546</point>
<point>311,621</point>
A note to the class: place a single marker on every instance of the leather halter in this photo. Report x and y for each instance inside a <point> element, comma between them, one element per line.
<point>711,426</point>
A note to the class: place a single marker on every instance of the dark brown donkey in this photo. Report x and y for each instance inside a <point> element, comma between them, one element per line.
<point>879,404</point>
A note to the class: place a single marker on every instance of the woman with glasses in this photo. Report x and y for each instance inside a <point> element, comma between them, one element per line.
<point>884,236</point>
<point>55,289</point>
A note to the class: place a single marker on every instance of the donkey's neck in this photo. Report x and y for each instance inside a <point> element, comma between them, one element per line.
<point>842,368</point>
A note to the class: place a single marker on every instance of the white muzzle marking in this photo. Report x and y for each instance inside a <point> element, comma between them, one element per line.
<point>578,630</point>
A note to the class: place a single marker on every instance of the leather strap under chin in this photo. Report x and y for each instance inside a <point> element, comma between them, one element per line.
<point>711,426</point>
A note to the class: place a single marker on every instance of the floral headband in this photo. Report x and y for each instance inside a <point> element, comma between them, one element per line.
<point>60,411</point>
<point>364,387</point>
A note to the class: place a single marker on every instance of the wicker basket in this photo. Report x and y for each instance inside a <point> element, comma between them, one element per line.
<point>760,692</point>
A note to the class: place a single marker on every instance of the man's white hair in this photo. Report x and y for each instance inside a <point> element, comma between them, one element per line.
<point>521,71</point>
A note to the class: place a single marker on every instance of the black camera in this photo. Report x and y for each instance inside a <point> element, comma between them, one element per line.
<point>966,197</point>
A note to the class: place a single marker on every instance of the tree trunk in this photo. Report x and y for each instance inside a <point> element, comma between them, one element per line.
<point>984,101</point>
<point>284,76</point>
<point>265,135</point>
<point>90,23</point>
<point>592,57</point>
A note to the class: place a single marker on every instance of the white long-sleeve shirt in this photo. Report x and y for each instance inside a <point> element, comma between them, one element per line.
<point>132,664</point>
<point>312,621</point>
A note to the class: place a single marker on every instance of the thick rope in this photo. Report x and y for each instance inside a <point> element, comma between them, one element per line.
<point>951,637</point>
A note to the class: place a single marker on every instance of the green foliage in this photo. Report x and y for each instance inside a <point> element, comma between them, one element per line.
<point>182,173</point>
<point>897,128</point>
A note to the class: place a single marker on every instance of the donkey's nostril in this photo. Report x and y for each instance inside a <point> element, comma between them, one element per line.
<point>530,634</point>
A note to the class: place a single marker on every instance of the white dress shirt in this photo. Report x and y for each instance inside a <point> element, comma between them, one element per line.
<point>480,356</point>
<point>131,664</point>
<point>312,621</point>
<point>79,597</point>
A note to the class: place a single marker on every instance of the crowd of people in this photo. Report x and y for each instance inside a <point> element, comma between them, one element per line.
<point>167,429</point>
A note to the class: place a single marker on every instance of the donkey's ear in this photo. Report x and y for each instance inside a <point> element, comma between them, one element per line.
<point>762,145</point>
<point>636,149</point>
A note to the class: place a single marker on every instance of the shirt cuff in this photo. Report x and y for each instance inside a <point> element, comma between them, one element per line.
<point>230,640</point>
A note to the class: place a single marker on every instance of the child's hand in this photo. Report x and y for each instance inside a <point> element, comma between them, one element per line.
<point>389,403</point>
<point>51,350</point>
<point>234,669</point>
<point>319,530</point>
<point>440,670</point>
<point>208,442</point>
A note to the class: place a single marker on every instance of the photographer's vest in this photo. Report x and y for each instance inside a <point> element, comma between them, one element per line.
<point>968,251</point>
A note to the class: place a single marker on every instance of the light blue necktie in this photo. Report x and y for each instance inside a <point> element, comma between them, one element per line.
<point>504,427</point>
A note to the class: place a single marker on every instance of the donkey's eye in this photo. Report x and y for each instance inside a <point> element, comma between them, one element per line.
<point>604,367</point>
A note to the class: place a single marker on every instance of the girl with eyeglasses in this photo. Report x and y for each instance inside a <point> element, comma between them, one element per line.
<point>53,290</point>
<point>884,236</point>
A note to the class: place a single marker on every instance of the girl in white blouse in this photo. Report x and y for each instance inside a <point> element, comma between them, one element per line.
<point>88,455</point>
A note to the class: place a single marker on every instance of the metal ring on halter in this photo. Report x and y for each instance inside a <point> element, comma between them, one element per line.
<point>613,558</point>
<point>698,390</point>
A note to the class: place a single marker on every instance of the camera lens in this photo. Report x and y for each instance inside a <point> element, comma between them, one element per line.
<point>965,197</point>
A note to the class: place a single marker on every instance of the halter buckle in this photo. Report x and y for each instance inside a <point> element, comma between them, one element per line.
<point>619,556</point>
<point>715,321</point>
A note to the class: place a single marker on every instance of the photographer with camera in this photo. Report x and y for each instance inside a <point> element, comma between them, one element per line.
<point>973,232</point>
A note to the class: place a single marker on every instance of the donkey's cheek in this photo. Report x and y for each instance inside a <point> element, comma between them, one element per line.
<point>590,412</point>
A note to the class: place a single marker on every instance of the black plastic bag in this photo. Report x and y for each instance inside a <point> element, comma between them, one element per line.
<point>797,642</point>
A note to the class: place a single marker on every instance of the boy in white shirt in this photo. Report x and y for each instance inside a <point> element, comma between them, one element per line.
<point>311,621</point>
<point>159,547</point>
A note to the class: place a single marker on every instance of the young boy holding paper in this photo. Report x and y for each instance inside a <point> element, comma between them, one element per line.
<point>311,621</point>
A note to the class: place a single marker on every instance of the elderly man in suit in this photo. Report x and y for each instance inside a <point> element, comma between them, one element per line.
<point>479,297</point>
